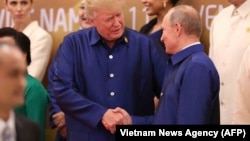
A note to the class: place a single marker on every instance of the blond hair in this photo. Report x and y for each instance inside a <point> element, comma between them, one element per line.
<point>91,6</point>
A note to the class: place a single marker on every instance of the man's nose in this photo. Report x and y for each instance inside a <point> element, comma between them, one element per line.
<point>116,21</point>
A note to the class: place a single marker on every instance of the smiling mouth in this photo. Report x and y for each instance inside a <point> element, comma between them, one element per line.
<point>83,18</point>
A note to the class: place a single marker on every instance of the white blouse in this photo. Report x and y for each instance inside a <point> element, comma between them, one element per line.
<point>41,46</point>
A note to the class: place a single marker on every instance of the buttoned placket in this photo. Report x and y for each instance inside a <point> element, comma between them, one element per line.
<point>234,20</point>
<point>111,74</point>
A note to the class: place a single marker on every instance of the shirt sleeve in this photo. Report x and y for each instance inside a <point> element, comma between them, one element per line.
<point>198,98</point>
<point>241,108</point>
<point>142,120</point>
<point>53,106</point>
<point>40,54</point>
<point>69,99</point>
<point>158,57</point>
<point>36,101</point>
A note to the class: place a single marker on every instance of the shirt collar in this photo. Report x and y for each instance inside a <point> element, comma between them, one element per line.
<point>95,37</point>
<point>244,9</point>
<point>10,123</point>
<point>196,43</point>
<point>189,50</point>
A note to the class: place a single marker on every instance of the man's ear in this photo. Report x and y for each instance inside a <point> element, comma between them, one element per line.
<point>178,29</point>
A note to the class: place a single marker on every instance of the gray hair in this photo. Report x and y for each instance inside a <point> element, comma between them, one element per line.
<point>91,6</point>
<point>188,17</point>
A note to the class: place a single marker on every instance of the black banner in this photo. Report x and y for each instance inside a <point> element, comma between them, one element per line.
<point>187,132</point>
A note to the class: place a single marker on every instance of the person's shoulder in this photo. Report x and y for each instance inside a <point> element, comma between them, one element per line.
<point>195,55</point>
<point>201,59</point>
<point>224,12</point>
<point>32,80</point>
<point>134,34</point>
<point>26,128</point>
<point>148,26</point>
<point>81,33</point>
<point>34,84</point>
<point>40,30</point>
<point>36,33</point>
<point>23,121</point>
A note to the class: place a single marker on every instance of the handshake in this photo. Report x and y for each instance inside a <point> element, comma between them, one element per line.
<point>113,117</point>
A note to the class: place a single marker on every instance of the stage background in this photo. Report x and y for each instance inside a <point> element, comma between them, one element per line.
<point>60,17</point>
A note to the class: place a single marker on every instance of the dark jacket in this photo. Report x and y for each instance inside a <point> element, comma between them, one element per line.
<point>26,130</point>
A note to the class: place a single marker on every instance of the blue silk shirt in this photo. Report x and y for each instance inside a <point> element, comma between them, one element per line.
<point>190,93</point>
<point>89,78</point>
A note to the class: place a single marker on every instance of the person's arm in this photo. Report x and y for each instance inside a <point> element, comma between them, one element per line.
<point>199,93</point>
<point>241,108</point>
<point>158,58</point>
<point>36,101</point>
<point>40,54</point>
<point>142,120</point>
<point>53,106</point>
<point>66,93</point>
<point>159,64</point>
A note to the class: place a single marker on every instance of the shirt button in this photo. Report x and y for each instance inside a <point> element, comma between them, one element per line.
<point>111,57</point>
<point>111,75</point>
<point>161,93</point>
<point>112,93</point>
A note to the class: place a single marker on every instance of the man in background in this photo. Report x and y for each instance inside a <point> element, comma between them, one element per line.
<point>56,115</point>
<point>83,21</point>
<point>14,127</point>
<point>35,95</point>
<point>229,39</point>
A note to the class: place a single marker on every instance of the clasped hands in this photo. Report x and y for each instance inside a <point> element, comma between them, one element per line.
<point>113,117</point>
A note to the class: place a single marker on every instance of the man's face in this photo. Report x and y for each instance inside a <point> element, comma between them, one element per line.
<point>84,23</point>
<point>169,35</point>
<point>12,77</point>
<point>109,24</point>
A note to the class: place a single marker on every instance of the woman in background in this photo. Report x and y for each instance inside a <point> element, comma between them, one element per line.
<point>41,40</point>
<point>157,8</point>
